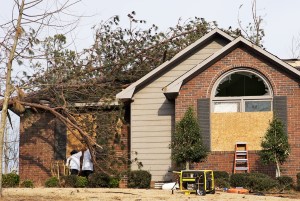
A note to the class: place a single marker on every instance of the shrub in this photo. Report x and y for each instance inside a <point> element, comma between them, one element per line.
<point>285,182</point>
<point>99,180</point>
<point>222,183</point>
<point>221,175</point>
<point>298,181</point>
<point>52,182</point>
<point>10,180</point>
<point>253,181</point>
<point>239,180</point>
<point>27,184</point>
<point>113,182</point>
<point>69,181</point>
<point>81,182</point>
<point>139,179</point>
<point>221,179</point>
<point>261,183</point>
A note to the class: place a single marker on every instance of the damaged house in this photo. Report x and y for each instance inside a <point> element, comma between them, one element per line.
<point>234,86</point>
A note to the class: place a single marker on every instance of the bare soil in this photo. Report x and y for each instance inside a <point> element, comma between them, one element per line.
<point>93,194</point>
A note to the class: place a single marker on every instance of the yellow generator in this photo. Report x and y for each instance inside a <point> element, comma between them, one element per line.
<point>196,181</point>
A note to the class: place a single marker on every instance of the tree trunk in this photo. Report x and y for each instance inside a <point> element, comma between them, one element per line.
<point>8,86</point>
<point>187,165</point>
<point>277,169</point>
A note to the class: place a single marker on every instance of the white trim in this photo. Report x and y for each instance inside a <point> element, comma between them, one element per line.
<point>129,91</point>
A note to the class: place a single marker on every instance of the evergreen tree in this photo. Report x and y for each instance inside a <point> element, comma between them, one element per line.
<point>275,146</point>
<point>187,145</point>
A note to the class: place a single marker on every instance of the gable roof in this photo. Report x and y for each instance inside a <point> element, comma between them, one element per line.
<point>129,91</point>
<point>174,87</point>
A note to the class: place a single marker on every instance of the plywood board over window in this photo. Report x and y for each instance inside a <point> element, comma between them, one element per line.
<point>229,128</point>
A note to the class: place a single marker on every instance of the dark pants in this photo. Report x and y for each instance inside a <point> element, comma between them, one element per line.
<point>86,173</point>
<point>74,172</point>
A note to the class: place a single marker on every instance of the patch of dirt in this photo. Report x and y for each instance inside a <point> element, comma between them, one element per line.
<point>95,194</point>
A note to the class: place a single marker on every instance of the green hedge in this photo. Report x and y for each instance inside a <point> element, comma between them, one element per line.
<point>10,180</point>
<point>285,182</point>
<point>253,181</point>
<point>221,179</point>
<point>97,180</point>
<point>27,184</point>
<point>139,179</point>
<point>52,182</point>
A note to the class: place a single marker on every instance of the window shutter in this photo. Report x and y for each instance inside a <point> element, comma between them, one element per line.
<point>203,113</point>
<point>60,144</point>
<point>280,109</point>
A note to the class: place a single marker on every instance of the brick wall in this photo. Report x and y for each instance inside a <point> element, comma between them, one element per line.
<point>282,83</point>
<point>36,146</point>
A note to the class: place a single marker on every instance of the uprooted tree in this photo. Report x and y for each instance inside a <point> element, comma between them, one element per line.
<point>118,57</point>
<point>64,78</point>
<point>17,44</point>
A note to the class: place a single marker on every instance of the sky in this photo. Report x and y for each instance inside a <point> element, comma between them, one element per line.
<point>280,18</point>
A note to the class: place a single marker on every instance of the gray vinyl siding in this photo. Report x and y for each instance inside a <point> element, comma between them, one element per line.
<point>152,117</point>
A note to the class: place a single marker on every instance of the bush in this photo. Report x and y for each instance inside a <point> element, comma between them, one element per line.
<point>52,182</point>
<point>222,183</point>
<point>113,183</point>
<point>99,180</point>
<point>239,180</point>
<point>27,184</point>
<point>221,179</point>
<point>81,182</point>
<point>253,181</point>
<point>285,182</point>
<point>10,180</point>
<point>298,181</point>
<point>69,181</point>
<point>139,179</point>
<point>221,175</point>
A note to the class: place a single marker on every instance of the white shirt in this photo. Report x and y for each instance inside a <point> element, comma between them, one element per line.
<point>73,162</point>
<point>87,163</point>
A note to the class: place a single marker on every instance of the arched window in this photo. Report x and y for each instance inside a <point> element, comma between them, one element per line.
<point>241,90</point>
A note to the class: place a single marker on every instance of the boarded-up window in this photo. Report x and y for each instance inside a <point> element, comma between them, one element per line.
<point>203,113</point>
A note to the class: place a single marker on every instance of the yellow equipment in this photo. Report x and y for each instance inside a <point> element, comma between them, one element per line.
<point>196,181</point>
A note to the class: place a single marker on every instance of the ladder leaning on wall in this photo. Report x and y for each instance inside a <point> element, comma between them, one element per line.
<point>241,162</point>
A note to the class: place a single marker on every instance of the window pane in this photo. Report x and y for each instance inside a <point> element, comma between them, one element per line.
<point>226,107</point>
<point>257,106</point>
<point>241,84</point>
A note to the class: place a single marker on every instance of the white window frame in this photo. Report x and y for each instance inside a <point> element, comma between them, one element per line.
<point>241,99</point>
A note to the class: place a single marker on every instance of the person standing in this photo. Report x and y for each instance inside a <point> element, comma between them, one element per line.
<point>73,162</point>
<point>87,164</point>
